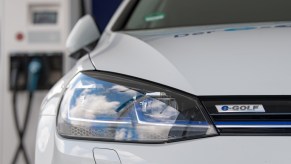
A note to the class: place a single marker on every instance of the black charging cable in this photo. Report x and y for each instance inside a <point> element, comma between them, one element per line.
<point>33,76</point>
<point>16,66</point>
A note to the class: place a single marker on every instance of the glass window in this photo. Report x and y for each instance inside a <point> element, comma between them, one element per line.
<point>151,14</point>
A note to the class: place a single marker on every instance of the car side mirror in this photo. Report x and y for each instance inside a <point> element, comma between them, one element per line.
<point>84,36</point>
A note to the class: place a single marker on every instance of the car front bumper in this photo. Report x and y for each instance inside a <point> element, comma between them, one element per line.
<point>52,148</point>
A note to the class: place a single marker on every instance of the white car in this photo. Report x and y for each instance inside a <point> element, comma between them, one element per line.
<point>191,81</point>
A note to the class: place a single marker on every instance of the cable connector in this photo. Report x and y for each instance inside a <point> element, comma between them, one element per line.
<point>34,70</point>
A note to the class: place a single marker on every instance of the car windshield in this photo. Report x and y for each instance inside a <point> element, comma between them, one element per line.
<point>152,14</point>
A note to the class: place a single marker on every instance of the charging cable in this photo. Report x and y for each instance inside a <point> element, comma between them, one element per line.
<point>34,69</point>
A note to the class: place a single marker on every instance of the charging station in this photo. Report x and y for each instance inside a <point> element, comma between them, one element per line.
<point>32,60</point>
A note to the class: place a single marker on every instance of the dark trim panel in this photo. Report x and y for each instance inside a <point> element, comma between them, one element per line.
<point>123,18</point>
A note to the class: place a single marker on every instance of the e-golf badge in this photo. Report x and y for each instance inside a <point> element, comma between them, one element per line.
<point>235,108</point>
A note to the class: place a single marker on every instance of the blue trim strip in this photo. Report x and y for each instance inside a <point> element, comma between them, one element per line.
<point>253,123</point>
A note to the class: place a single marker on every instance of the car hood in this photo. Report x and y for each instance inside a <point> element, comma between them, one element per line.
<point>252,59</point>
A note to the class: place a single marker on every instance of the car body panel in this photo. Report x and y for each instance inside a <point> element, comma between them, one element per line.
<point>255,57</point>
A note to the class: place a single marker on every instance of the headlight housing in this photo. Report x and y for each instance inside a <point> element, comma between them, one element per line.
<point>110,107</point>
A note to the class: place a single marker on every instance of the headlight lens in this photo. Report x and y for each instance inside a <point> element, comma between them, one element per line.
<point>116,108</point>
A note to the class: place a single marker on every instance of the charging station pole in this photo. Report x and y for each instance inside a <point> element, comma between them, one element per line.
<point>31,29</point>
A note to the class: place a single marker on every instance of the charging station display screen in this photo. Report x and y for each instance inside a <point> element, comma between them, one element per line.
<point>45,17</point>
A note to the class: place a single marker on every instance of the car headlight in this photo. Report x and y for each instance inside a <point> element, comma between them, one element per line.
<point>102,106</point>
